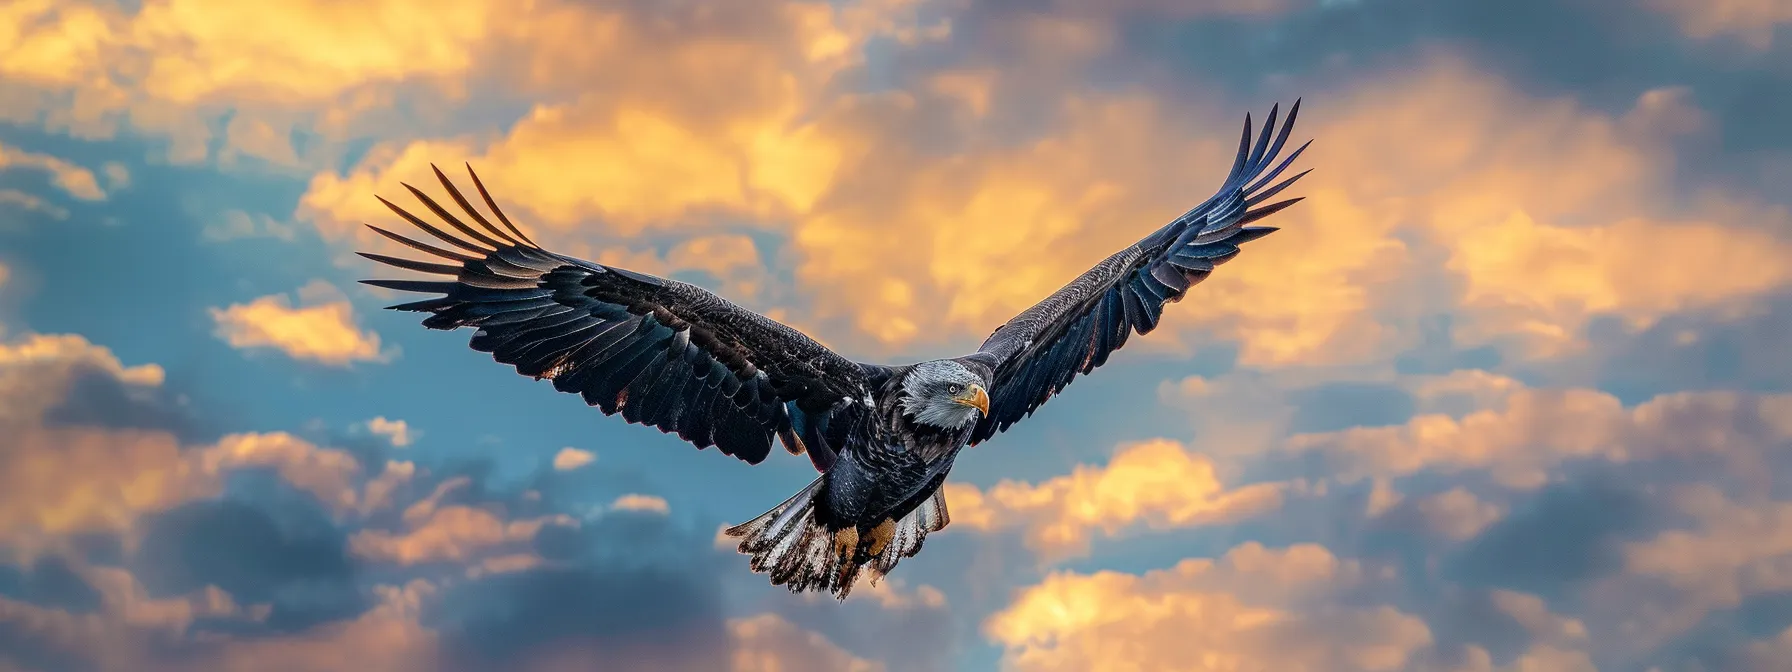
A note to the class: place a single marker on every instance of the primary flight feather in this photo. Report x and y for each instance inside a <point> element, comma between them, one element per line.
<point>675,356</point>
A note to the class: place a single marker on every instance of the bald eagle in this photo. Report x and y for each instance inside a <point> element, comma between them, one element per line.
<point>671,355</point>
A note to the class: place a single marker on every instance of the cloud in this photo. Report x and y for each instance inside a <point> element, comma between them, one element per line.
<point>237,224</point>
<point>64,473</point>
<point>1736,548</point>
<point>203,575</point>
<point>77,181</point>
<point>570,458</point>
<point>1520,440</point>
<point>728,137</point>
<point>301,572</point>
<point>396,431</point>
<point>639,502</point>
<point>1724,547</point>
<point>451,534</point>
<point>1525,213</point>
<point>1254,608</point>
<point>327,473</point>
<point>768,643</point>
<point>1752,22</point>
<point>1158,483</point>
<point>1455,514</point>
<point>1764,655</point>
<point>656,605</point>
<point>321,329</point>
<point>65,479</point>
<point>24,201</point>
<point>177,67</point>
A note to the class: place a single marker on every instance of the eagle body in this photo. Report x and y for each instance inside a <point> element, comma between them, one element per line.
<point>883,438</point>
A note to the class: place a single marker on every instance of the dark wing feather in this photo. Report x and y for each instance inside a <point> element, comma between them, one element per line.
<point>1075,329</point>
<point>660,352</point>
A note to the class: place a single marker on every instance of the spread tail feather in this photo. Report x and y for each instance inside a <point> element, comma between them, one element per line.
<point>803,554</point>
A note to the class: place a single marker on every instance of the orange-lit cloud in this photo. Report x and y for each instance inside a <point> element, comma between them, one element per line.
<point>1521,440</point>
<point>58,479</point>
<point>1752,22</point>
<point>449,534</point>
<point>768,643</point>
<point>639,502</point>
<point>23,201</point>
<point>65,479</point>
<point>322,328</point>
<point>398,432</point>
<point>713,122</point>
<point>77,181</point>
<point>1734,545</point>
<point>570,458</point>
<point>1538,207</point>
<point>1158,483</point>
<point>328,473</point>
<point>1252,609</point>
<point>172,65</point>
<point>1455,514</point>
<point>130,628</point>
<point>200,72</point>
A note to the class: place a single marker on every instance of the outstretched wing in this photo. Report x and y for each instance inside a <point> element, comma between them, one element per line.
<point>660,352</point>
<point>1074,330</point>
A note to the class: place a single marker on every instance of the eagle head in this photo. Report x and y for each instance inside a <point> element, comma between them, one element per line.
<point>944,393</point>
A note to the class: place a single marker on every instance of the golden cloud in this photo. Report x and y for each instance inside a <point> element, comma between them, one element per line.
<point>170,66</point>
<point>55,480</point>
<point>708,118</point>
<point>1251,609</point>
<point>199,71</point>
<point>452,533</point>
<point>1546,214</point>
<point>570,458</point>
<point>77,181</point>
<point>398,432</point>
<point>321,329</point>
<point>329,474</point>
<point>1158,483</point>
<point>639,502</point>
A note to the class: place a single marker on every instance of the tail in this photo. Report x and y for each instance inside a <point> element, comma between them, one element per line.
<point>804,554</point>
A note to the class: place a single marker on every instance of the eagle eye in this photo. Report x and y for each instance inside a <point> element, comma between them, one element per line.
<point>954,388</point>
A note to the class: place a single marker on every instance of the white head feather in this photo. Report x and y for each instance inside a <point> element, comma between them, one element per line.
<point>932,390</point>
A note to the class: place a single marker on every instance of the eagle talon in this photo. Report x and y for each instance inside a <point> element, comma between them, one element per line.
<point>845,543</point>
<point>881,536</point>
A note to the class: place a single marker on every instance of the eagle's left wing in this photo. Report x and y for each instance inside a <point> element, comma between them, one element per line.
<point>1074,330</point>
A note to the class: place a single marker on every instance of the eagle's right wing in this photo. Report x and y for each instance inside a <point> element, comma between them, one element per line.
<point>1074,330</point>
<point>660,352</point>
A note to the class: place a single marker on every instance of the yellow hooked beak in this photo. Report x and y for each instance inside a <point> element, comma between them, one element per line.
<point>974,397</point>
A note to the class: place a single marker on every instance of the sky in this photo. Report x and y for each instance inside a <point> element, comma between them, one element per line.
<point>1508,391</point>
